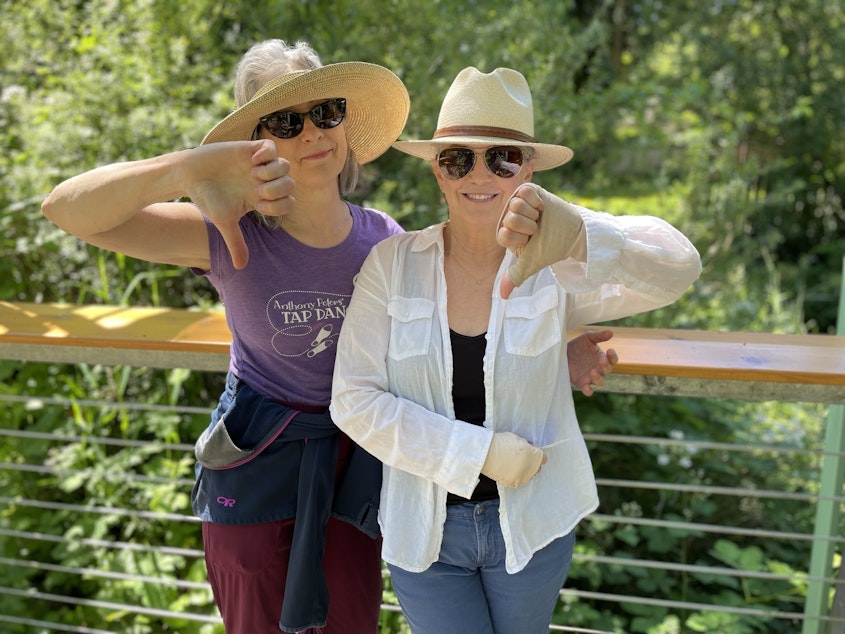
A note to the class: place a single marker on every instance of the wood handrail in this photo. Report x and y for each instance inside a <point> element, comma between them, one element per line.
<point>746,365</point>
<point>114,335</point>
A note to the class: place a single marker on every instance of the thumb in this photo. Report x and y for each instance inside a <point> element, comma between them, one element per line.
<point>506,286</point>
<point>263,151</point>
<point>236,244</point>
<point>598,336</point>
<point>519,271</point>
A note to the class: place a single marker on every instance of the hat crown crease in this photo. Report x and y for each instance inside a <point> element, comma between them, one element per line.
<point>500,99</point>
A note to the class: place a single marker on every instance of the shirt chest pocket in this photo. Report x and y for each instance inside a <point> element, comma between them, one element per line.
<point>531,325</point>
<point>410,326</point>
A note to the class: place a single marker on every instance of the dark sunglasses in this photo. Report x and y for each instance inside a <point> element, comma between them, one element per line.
<point>285,124</point>
<point>504,161</point>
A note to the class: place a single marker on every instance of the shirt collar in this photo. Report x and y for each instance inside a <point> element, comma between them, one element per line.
<point>429,237</point>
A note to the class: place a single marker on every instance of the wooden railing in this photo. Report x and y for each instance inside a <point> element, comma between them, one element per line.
<point>743,365</point>
<point>737,365</point>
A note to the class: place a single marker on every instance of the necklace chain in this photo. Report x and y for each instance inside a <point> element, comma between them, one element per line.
<point>492,270</point>
<point>458,242</point>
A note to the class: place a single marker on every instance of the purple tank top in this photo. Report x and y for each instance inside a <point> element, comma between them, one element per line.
<point>286,307</point>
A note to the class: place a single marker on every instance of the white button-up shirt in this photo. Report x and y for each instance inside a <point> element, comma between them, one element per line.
<point>392,390</point>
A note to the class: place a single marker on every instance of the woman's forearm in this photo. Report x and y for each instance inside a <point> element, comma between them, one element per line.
<point>106,197</point>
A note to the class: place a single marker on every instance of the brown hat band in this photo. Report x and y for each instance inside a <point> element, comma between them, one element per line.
<point>478,130</point>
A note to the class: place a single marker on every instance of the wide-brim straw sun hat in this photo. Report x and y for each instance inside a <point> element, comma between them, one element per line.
<point>482,109</point>
<point>377,105</point>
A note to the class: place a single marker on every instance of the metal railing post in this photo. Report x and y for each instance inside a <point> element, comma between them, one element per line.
<point>827,511</point>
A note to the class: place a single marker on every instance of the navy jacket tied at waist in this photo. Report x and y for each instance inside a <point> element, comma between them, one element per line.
<point>261,461</point>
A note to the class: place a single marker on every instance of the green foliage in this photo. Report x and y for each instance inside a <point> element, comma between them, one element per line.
<point>686,464</point>
<point>94,473</point>
<point>752,93</point>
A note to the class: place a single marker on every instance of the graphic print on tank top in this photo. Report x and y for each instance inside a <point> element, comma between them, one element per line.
<point>307,323</point>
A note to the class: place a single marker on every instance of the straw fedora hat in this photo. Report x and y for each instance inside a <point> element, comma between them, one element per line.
<point>377,105</point>
<point>487,109</point>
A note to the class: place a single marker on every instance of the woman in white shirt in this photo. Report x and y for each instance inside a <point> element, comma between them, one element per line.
<point>451,367</point>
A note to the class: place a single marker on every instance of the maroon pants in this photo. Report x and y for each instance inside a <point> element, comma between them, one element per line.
<point>247,566</point>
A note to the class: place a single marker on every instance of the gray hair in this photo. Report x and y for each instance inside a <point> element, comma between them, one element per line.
<point>267,60</point>
<point>270,59</point>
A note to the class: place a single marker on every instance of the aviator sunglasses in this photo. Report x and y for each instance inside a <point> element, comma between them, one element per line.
<point>285,124</point>
<point>504,161</point>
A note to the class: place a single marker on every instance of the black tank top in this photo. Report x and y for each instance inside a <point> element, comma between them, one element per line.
<point>468,397</point>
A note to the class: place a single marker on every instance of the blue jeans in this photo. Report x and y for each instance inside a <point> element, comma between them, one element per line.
<point>468,590</point>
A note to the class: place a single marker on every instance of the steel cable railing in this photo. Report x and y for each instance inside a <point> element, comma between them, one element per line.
<point>169,577</point>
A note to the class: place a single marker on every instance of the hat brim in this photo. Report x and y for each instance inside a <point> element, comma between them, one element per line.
<point>377,105</point>
<point>547,156</point>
